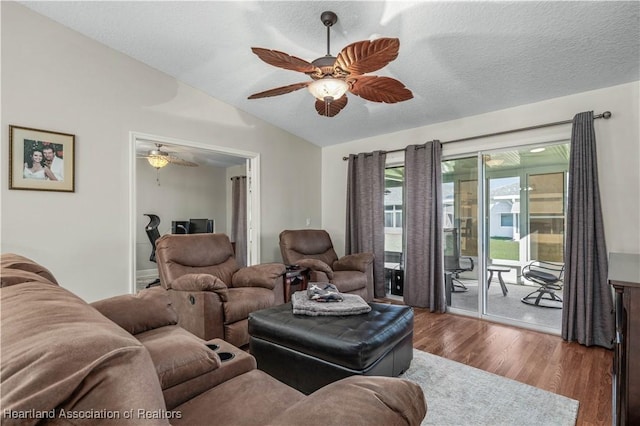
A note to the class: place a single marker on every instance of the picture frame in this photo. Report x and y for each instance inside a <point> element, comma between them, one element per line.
<point>41,160</point>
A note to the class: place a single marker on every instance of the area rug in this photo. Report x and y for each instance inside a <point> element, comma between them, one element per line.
<point>461,395</point>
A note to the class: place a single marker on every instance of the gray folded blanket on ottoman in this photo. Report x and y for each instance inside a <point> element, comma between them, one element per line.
<point>351,304</point>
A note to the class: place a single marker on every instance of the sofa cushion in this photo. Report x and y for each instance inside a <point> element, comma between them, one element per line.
<point>18,269</point>
<point>146,310</point>
<point>178,355</point>
<point>384,401</point>
<point>244,300</point>
<point>252,398</point>
<point>57,352</point>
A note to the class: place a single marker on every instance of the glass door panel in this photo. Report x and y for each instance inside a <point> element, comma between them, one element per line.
<point>460,209</point>
<point>393,243</point>
<point>525,199</point>
<point>546,194</point>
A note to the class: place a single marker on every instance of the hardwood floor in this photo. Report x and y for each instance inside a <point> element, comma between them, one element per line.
<point>538,359</point>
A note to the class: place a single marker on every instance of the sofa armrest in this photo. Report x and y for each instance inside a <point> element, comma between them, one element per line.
<point>316,265</point>
<point>146,310</point>
<point>354,262</point>
<point>201,282</point>
<point>380,400</point>
<point>264,275</point>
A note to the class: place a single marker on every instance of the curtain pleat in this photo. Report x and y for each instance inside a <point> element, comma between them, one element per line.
<point>423,274</point>
<point>365,211</point>
<point>587,315</point>
<point>239,218</point>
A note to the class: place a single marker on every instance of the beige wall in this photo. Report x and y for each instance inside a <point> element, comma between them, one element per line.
<point>618,143</point>
<point>55,79</point>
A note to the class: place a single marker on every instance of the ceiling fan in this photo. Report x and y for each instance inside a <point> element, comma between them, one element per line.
<point>333,76</point>
<point>159,158</point>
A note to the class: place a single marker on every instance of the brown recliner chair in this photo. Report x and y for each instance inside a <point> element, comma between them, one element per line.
<point>313,249</point>
<point>211,293</point>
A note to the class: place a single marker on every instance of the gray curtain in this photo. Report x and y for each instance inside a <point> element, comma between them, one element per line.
<point>239,217</point>
<point>423,271</point>
<point>365,211</point>
<point>587,315</point>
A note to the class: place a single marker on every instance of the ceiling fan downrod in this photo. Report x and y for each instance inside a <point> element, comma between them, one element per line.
<point>328,18</point>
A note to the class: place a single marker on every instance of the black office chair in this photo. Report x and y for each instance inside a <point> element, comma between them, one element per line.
<point>153,234</point>
<point>548,276</point>
<point>453,262</point>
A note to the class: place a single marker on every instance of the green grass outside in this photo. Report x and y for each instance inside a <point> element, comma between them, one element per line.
<point>501,248</point>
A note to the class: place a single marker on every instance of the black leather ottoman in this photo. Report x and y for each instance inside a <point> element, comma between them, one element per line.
<point>308,352</point>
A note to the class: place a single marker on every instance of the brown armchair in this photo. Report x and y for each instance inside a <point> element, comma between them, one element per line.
<point>313,249</point>
<point>211,293</point>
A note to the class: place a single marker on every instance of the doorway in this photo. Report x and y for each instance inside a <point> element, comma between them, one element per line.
<point>176,193</point>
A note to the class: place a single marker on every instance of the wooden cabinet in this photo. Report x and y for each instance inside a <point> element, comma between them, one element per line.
<point>624,276</point>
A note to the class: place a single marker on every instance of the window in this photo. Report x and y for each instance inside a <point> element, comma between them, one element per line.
<point>393,216</point>
<point>506,220</point>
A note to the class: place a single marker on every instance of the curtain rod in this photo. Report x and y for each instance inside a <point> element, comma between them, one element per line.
<point>606,115</point>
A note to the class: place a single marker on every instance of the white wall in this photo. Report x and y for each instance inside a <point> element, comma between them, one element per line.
<point>56,79</point>
<point>183,193</point>
<point>618,143</point>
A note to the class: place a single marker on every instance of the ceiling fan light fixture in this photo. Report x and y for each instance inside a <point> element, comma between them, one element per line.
<point>157,161</point>
<point>328,88</point>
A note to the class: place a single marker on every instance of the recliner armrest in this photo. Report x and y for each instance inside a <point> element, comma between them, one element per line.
<point>316,265</point>
<point>381,400</point>
<point>147,310</point>
<point>354,262</point>
<point>201,282</point>
<point>264,275</point>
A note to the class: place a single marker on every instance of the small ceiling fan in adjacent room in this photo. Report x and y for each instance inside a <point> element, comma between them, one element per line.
<point>333,76</point>
<point>159,158</point>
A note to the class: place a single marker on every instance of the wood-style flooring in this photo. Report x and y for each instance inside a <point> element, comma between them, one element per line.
<point>538,359</point>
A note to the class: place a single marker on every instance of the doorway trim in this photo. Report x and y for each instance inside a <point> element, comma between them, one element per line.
<point>253,194</point>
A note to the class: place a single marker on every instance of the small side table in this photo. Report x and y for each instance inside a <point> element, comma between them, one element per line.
<point>294,276</point>
<point>499,270</point>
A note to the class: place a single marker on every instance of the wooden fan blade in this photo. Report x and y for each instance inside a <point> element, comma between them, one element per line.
<point>280,90</point>
<point>330,109</point>
<point>284,60</point>
<point>367,56</point>
<point>380,89</point>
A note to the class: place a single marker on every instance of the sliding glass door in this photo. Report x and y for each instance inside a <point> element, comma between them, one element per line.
<point>525,208</point>
<point>520,195</point>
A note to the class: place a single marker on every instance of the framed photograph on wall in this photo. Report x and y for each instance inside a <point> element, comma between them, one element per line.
<point>41,160</point>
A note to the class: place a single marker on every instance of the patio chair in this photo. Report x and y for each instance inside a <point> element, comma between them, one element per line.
<point>548,275</point>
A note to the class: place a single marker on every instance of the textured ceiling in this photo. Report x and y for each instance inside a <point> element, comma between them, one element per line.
<point>458,58</point>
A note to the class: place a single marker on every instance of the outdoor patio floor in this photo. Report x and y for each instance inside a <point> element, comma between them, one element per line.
<point>509,306</point>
